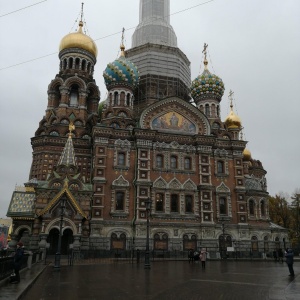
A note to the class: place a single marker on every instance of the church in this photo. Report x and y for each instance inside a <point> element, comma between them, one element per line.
<point>157,139</point>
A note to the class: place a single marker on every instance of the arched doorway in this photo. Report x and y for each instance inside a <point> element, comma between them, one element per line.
<point>66,240</point>
<point>224,242</point>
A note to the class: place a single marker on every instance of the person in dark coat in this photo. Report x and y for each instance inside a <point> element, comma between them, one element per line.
<point>18,262</point>
<point>280,255</point>
<point>191,255</point>
<point>289,255</point>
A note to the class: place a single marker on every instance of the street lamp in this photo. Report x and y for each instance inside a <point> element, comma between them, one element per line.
<point>58,254</point>
<point>224,242</point>
<point>147,254</point>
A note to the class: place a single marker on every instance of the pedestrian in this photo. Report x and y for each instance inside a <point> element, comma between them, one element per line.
<point>275,255</point>
<point>280,255</point>
<point>196,256</point>
<point>289,255</point>
<point>18,257</point>
<point>191,255</point>
<point>203,255</point>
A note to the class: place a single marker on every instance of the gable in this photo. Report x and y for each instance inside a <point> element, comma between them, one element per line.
<point>175,115</point>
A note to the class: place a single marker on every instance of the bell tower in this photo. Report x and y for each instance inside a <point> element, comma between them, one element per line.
<point>73,97</point>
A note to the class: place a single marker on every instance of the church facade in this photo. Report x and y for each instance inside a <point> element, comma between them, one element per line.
<point>157,137</point>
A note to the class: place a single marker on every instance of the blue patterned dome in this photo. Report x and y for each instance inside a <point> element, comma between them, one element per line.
<point>207,85</point>
<point>121,71</point>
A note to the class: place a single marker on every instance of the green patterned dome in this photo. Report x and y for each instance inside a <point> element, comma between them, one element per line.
<point>207,85</point>
<point>121,71</point>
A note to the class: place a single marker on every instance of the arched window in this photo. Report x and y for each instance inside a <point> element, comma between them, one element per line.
<point>159,161</point>
<point>116,98</point>
<point>207,110</point>
<point>187,163</point>
<point>120,196</point>
<point>70,63</point>
<point>173,162</point>
<point>128,99</point>
<point>83,65</point>
<point>174,203</point>
<point>159,202</point>
<point>121,159</point>
<point>89,67</point>
<point>74,96</point>
<point>213,110</point>
<point>188,203</point>
<point>220,167</point>
<point>65,64</point>
<point>262,208</point>
<point>77,63</point>
<point>222,206</point>
<point>251,207</point>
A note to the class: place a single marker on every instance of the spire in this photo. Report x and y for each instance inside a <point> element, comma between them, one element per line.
<point>154,18</point>
<point>81,22</point>
<point>122,47</point>
<point>68,156</point>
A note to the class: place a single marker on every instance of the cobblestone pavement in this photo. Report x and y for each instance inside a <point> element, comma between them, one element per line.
<point>224,280</point>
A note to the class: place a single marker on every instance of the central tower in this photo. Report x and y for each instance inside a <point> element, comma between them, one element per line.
<point>154,26</point>
<point>164,69</point>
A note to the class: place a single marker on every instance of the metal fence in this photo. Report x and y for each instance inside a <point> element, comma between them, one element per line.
<point>6,266</point>
<point>160,255</point>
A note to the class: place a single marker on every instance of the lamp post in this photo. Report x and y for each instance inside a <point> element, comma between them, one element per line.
<point>147,254</point>
<point>58,254</point>
<point>224,242</point>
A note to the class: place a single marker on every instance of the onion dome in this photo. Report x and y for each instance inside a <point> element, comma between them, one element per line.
<point>207,85</point>
<point>121,71</point>
<point>232,121</point>
<point>246,154</point>
<point>78,40</point>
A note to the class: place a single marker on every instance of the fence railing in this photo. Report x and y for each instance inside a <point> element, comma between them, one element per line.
<point>161,254</point>
<point>7,266</point>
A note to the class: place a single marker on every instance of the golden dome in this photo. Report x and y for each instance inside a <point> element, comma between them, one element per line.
<point>246,154</point>
<point>78,40</point>
<point>233,121</point>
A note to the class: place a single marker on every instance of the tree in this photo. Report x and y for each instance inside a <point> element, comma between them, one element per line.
<point>279,210</point>
<point>295,226</point>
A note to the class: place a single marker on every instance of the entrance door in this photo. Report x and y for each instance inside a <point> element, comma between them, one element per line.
<point>66,240</point>
<point>53,240</point>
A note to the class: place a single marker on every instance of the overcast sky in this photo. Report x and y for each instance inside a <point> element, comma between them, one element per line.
<point>253,45</point>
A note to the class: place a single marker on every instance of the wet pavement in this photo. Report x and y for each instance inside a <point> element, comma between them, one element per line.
<point>224,280</point>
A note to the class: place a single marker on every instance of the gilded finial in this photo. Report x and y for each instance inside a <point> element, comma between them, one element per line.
<point>81,22</point>
<point>205,53</point>
<point>122,47</point>
<point>230,98</point>
<point>71,128</point>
